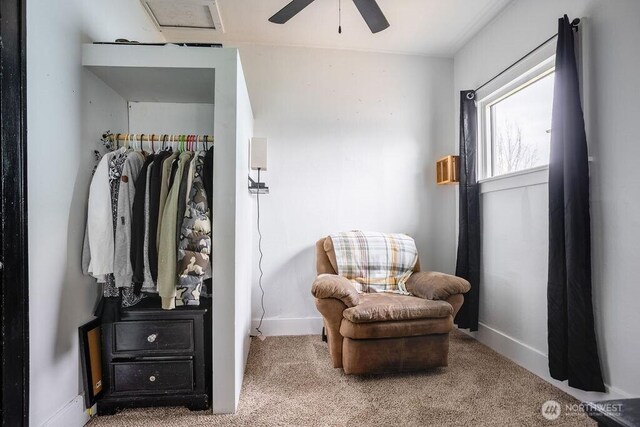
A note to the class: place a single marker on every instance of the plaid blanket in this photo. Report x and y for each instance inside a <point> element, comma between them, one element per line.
<point>375,262</point>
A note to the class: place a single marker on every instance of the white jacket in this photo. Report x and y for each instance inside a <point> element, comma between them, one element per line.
<point>99,233</point>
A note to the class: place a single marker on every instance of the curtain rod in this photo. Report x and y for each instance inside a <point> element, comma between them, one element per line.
<point>574,24</point>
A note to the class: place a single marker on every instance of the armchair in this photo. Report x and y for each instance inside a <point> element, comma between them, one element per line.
<point>386,332</point>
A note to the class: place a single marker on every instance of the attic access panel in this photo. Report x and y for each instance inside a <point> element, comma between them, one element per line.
<point>184,14</point>
<point>156,84</point>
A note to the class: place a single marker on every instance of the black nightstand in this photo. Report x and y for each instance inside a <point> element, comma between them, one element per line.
<point>155,357</point>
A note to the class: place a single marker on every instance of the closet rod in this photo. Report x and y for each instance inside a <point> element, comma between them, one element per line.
<point>146,137</point>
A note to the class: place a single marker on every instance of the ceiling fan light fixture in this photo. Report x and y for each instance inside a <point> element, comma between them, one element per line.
<point>369,9</point>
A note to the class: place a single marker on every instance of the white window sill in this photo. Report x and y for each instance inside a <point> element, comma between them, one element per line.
<point>526,178</point>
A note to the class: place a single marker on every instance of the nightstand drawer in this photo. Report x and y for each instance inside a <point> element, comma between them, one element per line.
<point>154,376</point>
<point>153,337</point>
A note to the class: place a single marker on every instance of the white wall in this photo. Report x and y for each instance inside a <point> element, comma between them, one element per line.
<point>353,139</point>
<point>244,234</point>
<point>170,118</point>
<point>60,158</point>
<point>513,312</point>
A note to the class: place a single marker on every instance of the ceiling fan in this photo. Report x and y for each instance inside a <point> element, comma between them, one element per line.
<point>369,10</point>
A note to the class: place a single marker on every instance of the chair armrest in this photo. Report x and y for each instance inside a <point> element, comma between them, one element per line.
<point>436,286</point>
<point>334,286</point>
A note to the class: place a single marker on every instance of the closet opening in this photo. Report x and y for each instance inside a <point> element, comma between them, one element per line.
<point>178,109</point>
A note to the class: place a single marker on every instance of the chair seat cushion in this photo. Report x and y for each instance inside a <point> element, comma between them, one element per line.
<point>396,328</point>
<point>382,307</point>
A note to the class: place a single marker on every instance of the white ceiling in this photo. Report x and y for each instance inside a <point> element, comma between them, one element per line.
<point>424,27</point>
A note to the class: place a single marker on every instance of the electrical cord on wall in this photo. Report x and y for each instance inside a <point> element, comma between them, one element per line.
<point>260,259</point>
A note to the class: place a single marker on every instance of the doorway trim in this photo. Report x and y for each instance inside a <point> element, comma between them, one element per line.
<point>14,274</point>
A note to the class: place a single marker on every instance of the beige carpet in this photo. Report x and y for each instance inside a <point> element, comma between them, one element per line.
<point>290,381</point>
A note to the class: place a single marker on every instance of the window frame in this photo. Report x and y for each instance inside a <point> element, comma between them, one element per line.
<point>539,65</point>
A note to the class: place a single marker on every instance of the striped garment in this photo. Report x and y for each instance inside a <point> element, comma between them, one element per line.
<point>375,262</point>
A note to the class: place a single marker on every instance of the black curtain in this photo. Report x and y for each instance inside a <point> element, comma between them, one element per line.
<point>573,353</point>
<point>468,260</point>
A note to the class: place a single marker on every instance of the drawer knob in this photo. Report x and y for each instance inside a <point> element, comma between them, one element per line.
<point>152,378</point>
<point>152,337</point>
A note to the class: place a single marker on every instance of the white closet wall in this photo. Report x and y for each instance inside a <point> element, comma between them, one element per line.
<point>173,89</point>
<point>170,118</point>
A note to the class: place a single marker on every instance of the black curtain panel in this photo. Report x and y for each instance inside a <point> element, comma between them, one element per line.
<point>573,353</point>
<point>468,260</point>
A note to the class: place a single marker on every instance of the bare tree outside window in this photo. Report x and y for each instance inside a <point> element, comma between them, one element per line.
<point>512,154</point>
<point>518,127</point>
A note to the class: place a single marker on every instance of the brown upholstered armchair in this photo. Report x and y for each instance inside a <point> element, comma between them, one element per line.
<point>384,332</point>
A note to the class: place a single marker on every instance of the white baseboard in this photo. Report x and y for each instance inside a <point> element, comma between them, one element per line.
<point>536,362</point>
<point>73,414</point>
<point>288,326</point>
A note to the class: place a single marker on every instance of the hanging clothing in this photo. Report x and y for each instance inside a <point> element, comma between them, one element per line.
<point>207,177</point>
<point>183,194</point>
<point>207,174</point>
<point>164,192</point>
<point>110,288</point>
<point>111,163</point>
<point>155,182</point>
<point>99,237</point>
<point>167,250</point>
<point>148,284</point>
<point>153,216</point>
<point>195,239</point>
<point>138,228</point>
<point>122,252</point>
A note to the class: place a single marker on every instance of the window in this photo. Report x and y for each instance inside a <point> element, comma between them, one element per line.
<point>515,123</point>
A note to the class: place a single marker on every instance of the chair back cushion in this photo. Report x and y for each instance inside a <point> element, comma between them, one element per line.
<point>326,258</point>
<point>372,261</point>
<point>323,262</point>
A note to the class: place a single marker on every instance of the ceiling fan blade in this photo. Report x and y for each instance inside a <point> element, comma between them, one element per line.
<point>372,15</point>
<point>289,11</point>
